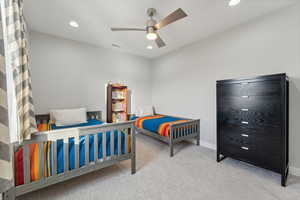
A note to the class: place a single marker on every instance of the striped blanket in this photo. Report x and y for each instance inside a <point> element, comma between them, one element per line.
<point>159,124</point>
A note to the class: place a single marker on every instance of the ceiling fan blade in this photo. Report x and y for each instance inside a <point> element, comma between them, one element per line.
<point>174,16</point>
<point>128,29</point>
<point>160,43</point>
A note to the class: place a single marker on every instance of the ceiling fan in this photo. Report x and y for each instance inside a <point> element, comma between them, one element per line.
<point>152,26</point>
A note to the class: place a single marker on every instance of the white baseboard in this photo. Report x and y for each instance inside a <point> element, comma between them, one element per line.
<point>295,171</point>
<point>208,145</point>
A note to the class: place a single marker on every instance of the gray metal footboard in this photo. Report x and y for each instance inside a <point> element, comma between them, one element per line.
<point>178,132</point>
<point>184,131</point>
<point>126,128</point>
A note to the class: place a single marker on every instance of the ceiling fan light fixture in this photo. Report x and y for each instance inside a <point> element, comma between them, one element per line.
<point>234,2</point>
<point>151,36</point>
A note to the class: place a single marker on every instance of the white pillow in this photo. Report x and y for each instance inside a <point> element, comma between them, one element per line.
<point>65,117</point>
<point>146,110</point>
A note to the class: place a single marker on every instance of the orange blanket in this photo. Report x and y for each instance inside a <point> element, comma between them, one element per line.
<point>158,123</point>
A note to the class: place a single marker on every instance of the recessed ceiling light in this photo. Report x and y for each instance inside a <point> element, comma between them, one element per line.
<point>234,2</point>
<point>149,47</point>
<point>74,24</point>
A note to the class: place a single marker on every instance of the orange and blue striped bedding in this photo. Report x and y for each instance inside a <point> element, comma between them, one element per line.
<point>159,124</point>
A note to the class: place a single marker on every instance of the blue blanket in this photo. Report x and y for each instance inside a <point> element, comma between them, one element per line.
<point>60,146</point>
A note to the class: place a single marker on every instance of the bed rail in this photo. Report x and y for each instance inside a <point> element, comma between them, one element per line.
<point>126,128</point>
<point>184,131</point>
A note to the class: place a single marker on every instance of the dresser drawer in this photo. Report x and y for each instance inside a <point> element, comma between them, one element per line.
<point>236,90</point>
<point>264,88</point>
<point>259,88</point>
<point>232,129</point>
<point>266,132</point>
<point>247,153</point>
<point>238,139</point>
<point>246,121</point>
<point>254,154</point>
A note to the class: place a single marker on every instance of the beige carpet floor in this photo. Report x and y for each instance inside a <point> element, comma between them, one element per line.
<point>191,174</point>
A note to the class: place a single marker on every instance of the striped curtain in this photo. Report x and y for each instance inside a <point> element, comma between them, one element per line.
<point>6,169</point>
<point>18,55</point>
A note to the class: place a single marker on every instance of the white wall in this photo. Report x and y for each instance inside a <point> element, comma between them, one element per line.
<point>184,82</point>
<point>67,74</point>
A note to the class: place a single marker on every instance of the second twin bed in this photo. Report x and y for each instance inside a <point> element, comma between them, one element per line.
<point>169,129</point>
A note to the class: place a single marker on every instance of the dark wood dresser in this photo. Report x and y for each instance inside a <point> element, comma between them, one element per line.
<point>252,122</point>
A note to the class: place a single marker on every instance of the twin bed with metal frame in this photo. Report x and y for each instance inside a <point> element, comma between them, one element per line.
<point>189,129</point>
<point>125,128</point>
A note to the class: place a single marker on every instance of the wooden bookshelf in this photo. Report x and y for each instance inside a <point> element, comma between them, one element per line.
<point>117,103</point>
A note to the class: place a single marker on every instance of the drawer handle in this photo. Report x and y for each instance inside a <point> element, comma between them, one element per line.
<point>245,83</point>
<point>243,122</point>
<point>245,96</point>
<point>245,109</point>
<point>245,135</point>
<point>245,148</point>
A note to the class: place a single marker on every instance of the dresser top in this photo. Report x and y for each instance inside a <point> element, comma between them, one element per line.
<point>281,76</point>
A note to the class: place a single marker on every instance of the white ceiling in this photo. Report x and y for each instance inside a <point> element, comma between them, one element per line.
<point>95,17</point>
